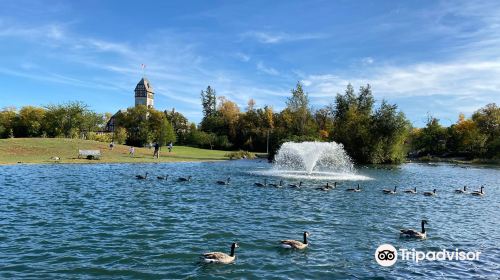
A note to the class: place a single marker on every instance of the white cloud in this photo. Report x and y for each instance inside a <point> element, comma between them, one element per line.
<point>367,60</point>
<point>455,78</point>
<point>268,70</point>
<point>280,37</point>
<point>47,31</point>
<point>243,57</point>
<point>107,46</point>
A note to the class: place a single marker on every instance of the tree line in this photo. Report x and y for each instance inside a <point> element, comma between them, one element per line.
<point>369,133</point>
<point>475,137</point>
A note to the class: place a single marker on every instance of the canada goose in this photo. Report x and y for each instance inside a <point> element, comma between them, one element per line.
<point>162,177</point>
<point>141,177</point>
<point>218,257</point>
<point>354,190</point>
<point>411,191</point>
<point>183,179</point>
<point>295,185</point>
<point>461,190</point>
<point>327,187</point>
<point>411,233</point>
<point>386,191</point>
<point>478,193</point>
<point>294,244</point>
<point>260,184</point>
<point>324,188</point>
<point>224,182</point>
<point>433,193</point>
<point>277,186</point>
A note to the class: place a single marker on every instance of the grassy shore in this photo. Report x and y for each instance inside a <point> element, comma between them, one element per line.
<point>479,161</point>
<point>41,150</point>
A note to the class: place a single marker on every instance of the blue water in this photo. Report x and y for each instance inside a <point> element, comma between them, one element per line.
<point>98,221</point>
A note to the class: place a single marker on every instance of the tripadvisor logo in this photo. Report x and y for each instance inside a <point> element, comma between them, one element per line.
<point>387,255</point>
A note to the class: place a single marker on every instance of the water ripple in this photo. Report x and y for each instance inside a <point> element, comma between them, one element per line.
<point>98,221</point>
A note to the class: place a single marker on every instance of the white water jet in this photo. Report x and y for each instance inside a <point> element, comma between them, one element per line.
<point>313,160</point>
<point>312,157</point>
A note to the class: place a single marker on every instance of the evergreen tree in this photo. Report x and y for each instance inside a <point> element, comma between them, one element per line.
<point>209,102</point>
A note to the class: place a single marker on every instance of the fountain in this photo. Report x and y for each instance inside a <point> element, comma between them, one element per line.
<point>313,160</point>
<point>312,157</point>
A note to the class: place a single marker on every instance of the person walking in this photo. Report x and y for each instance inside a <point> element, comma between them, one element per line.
<point>157,150</point>
<point>131,151</point>
<point>170,146</point>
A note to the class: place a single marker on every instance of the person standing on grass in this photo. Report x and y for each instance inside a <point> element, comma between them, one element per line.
<point>131,151</point>
<point>157,151</point>
<point>170,146</point>
<point>111,145</point>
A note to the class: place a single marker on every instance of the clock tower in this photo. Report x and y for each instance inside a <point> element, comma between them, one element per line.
<point>144,94</point>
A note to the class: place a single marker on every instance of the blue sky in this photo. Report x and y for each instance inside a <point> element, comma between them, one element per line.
<point>429,57</point>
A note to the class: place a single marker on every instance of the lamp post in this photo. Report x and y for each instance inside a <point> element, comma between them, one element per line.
<point>267,146</point>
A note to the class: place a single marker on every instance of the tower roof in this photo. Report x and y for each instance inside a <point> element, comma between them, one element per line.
<point>144,84</point>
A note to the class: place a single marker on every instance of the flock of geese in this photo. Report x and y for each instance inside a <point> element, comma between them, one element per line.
<point>326,187</point>
<point>479,192</point>
<point>223,258</point>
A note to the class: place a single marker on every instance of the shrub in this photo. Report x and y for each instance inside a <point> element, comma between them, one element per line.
<point>106,137</point>
<point>120,135</point>
<point>240,154</point>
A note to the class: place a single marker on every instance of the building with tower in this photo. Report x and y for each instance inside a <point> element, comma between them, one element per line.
<point>144,94</point>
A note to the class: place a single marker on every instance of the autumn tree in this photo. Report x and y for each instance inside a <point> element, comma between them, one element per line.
<point>29,122</point>
<point>487,120</point>
<point>7,121</point>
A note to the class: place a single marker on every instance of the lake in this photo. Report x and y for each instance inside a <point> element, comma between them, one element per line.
<point>98,221</point>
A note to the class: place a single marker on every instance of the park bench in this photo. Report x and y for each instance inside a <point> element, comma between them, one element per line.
<point>89,154</point>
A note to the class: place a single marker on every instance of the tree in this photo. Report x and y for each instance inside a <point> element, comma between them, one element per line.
<point>367,136</point>
<point>487,120</point>
<point>166,134</point>
<point>179,123</point>
<point>29,122</point>
<point>135,121</point>
<point>209,102</point>
<point>352,122</point>
<point>465,138</point>
<point>7,121</point>
<point>390,129</point>
<point>298,107</point>
<point>229,112</point>
<point>432,138</point>
<point>324,122</point>
<point>66,120</point>
<point>120,135</point>
<point>250,104</point>
<point>268,117</point>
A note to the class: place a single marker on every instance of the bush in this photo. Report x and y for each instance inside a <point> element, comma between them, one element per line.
<point>240,155</point>
<point>120,135</point>
<point>106,137</point>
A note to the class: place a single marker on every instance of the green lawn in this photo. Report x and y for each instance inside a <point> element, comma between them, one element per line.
<point>41,150</point>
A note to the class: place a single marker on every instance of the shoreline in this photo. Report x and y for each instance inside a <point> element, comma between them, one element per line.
<point>477,161</point>
<point>110,162</point>
<point>43,151</point>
